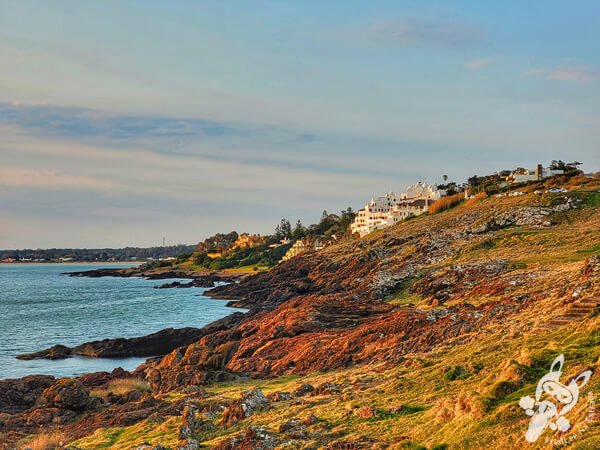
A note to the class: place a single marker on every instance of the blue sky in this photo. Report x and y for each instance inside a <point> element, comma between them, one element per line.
<point>125,121</point>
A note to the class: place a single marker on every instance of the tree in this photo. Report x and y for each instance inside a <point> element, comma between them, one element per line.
<point>285,229</point>
<point>324,215</point>
<point>299,230</point>
<point>277,234</point>
<point>346,218</point>
<point>445,178</point>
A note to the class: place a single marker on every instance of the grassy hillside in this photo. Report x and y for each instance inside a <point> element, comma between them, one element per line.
<point>423,336</point>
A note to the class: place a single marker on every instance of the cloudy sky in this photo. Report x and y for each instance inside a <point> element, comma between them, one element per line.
<point>125,121</point>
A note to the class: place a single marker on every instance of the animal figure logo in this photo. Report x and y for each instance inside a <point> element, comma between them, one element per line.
<point>550,413</point>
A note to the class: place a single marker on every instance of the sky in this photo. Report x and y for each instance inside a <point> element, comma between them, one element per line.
<point>123,122</point>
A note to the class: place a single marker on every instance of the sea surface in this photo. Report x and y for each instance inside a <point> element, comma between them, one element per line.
<point>39,308</point>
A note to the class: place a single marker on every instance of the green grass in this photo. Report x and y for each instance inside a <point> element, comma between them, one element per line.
<point>592,200</point>
<point>122,438</point>
<point>403,295</point>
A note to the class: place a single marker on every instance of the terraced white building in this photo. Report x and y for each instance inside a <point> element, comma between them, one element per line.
<point>382,212</point>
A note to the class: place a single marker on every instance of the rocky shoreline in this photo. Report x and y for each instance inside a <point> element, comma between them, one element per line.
<point>401,297</point>
<point>155,344</point>
<point>199,279</point>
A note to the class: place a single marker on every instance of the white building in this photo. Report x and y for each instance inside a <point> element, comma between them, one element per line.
<point>382,212</point>
<point>539,173</point>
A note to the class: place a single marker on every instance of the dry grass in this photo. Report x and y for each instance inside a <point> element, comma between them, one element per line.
<point>445,203</point>
<point>476,198</point>
<point>122,386</point>
<point>47,442</point>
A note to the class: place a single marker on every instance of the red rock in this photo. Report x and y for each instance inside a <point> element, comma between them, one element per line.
<point>67,393</point>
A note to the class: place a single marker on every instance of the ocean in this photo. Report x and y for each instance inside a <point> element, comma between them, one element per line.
<point>39,308</point>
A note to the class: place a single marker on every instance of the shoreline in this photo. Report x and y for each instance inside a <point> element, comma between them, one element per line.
<point>32,263</point>
<point>156,344</point>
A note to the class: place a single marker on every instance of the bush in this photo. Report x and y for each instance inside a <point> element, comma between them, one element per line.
<point>476,198</point>
<point>457,373</point>
<point>445,203</point>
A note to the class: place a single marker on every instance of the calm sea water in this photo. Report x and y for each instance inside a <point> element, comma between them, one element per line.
<point>39,308</point>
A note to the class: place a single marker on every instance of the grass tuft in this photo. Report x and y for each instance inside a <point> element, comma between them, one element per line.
<point>46,442</point>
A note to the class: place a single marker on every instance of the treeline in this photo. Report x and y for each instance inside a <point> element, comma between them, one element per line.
<point>329,225</point>
<point>92,255</point>
<point>274,246</point>
<point>261,255</point>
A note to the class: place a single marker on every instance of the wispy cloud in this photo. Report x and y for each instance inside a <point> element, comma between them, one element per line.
<point>14,176</point>
<point>476,64</point>
<point>577,73</point>
<point>403,33</point>
<point>82,122</point>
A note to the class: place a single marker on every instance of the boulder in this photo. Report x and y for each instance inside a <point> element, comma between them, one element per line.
<point>254,438</point>
<point>327,389</point>
<point>278,396</point>
<point>366,412</point>
<point>292,424</point>
<point>303,389</point>
<point>250,401</point>
<point>67,393</point>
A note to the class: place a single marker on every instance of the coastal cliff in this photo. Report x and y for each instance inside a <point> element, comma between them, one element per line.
<point>408,335</point>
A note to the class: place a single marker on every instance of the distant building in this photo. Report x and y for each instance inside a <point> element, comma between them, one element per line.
<point>246,240</point>
<point>522,175</point>
<point>382,212</point>
<point>299,247</point>
<point>307,245</point>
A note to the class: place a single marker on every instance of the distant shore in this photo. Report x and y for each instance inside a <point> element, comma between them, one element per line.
<point>71,262</point>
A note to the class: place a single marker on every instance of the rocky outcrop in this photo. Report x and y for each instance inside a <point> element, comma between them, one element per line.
<point>340,307</point>
<point>328,310</point>
<point>159,343</point>
<point>204,278</point>
<point>254,438</point>
<point>155,344</point>
<point>96,379</point>
<point>67,393</point>
<point>250,401</point>
<point>17,395</point>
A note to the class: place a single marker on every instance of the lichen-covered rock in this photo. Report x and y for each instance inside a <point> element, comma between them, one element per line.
<point>327,388</point>
<point>250,401</point>
<point>67,393</point>
<point>303,389</point>
<point>278,396</point>
<point>254,438</point>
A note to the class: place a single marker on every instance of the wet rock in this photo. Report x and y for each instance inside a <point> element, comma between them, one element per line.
<point>159,343</point>
<point>67,393</point>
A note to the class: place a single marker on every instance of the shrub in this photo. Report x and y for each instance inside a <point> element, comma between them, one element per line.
<point>457,373</point>
<point>476,199</point>
<point>445,203</point>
